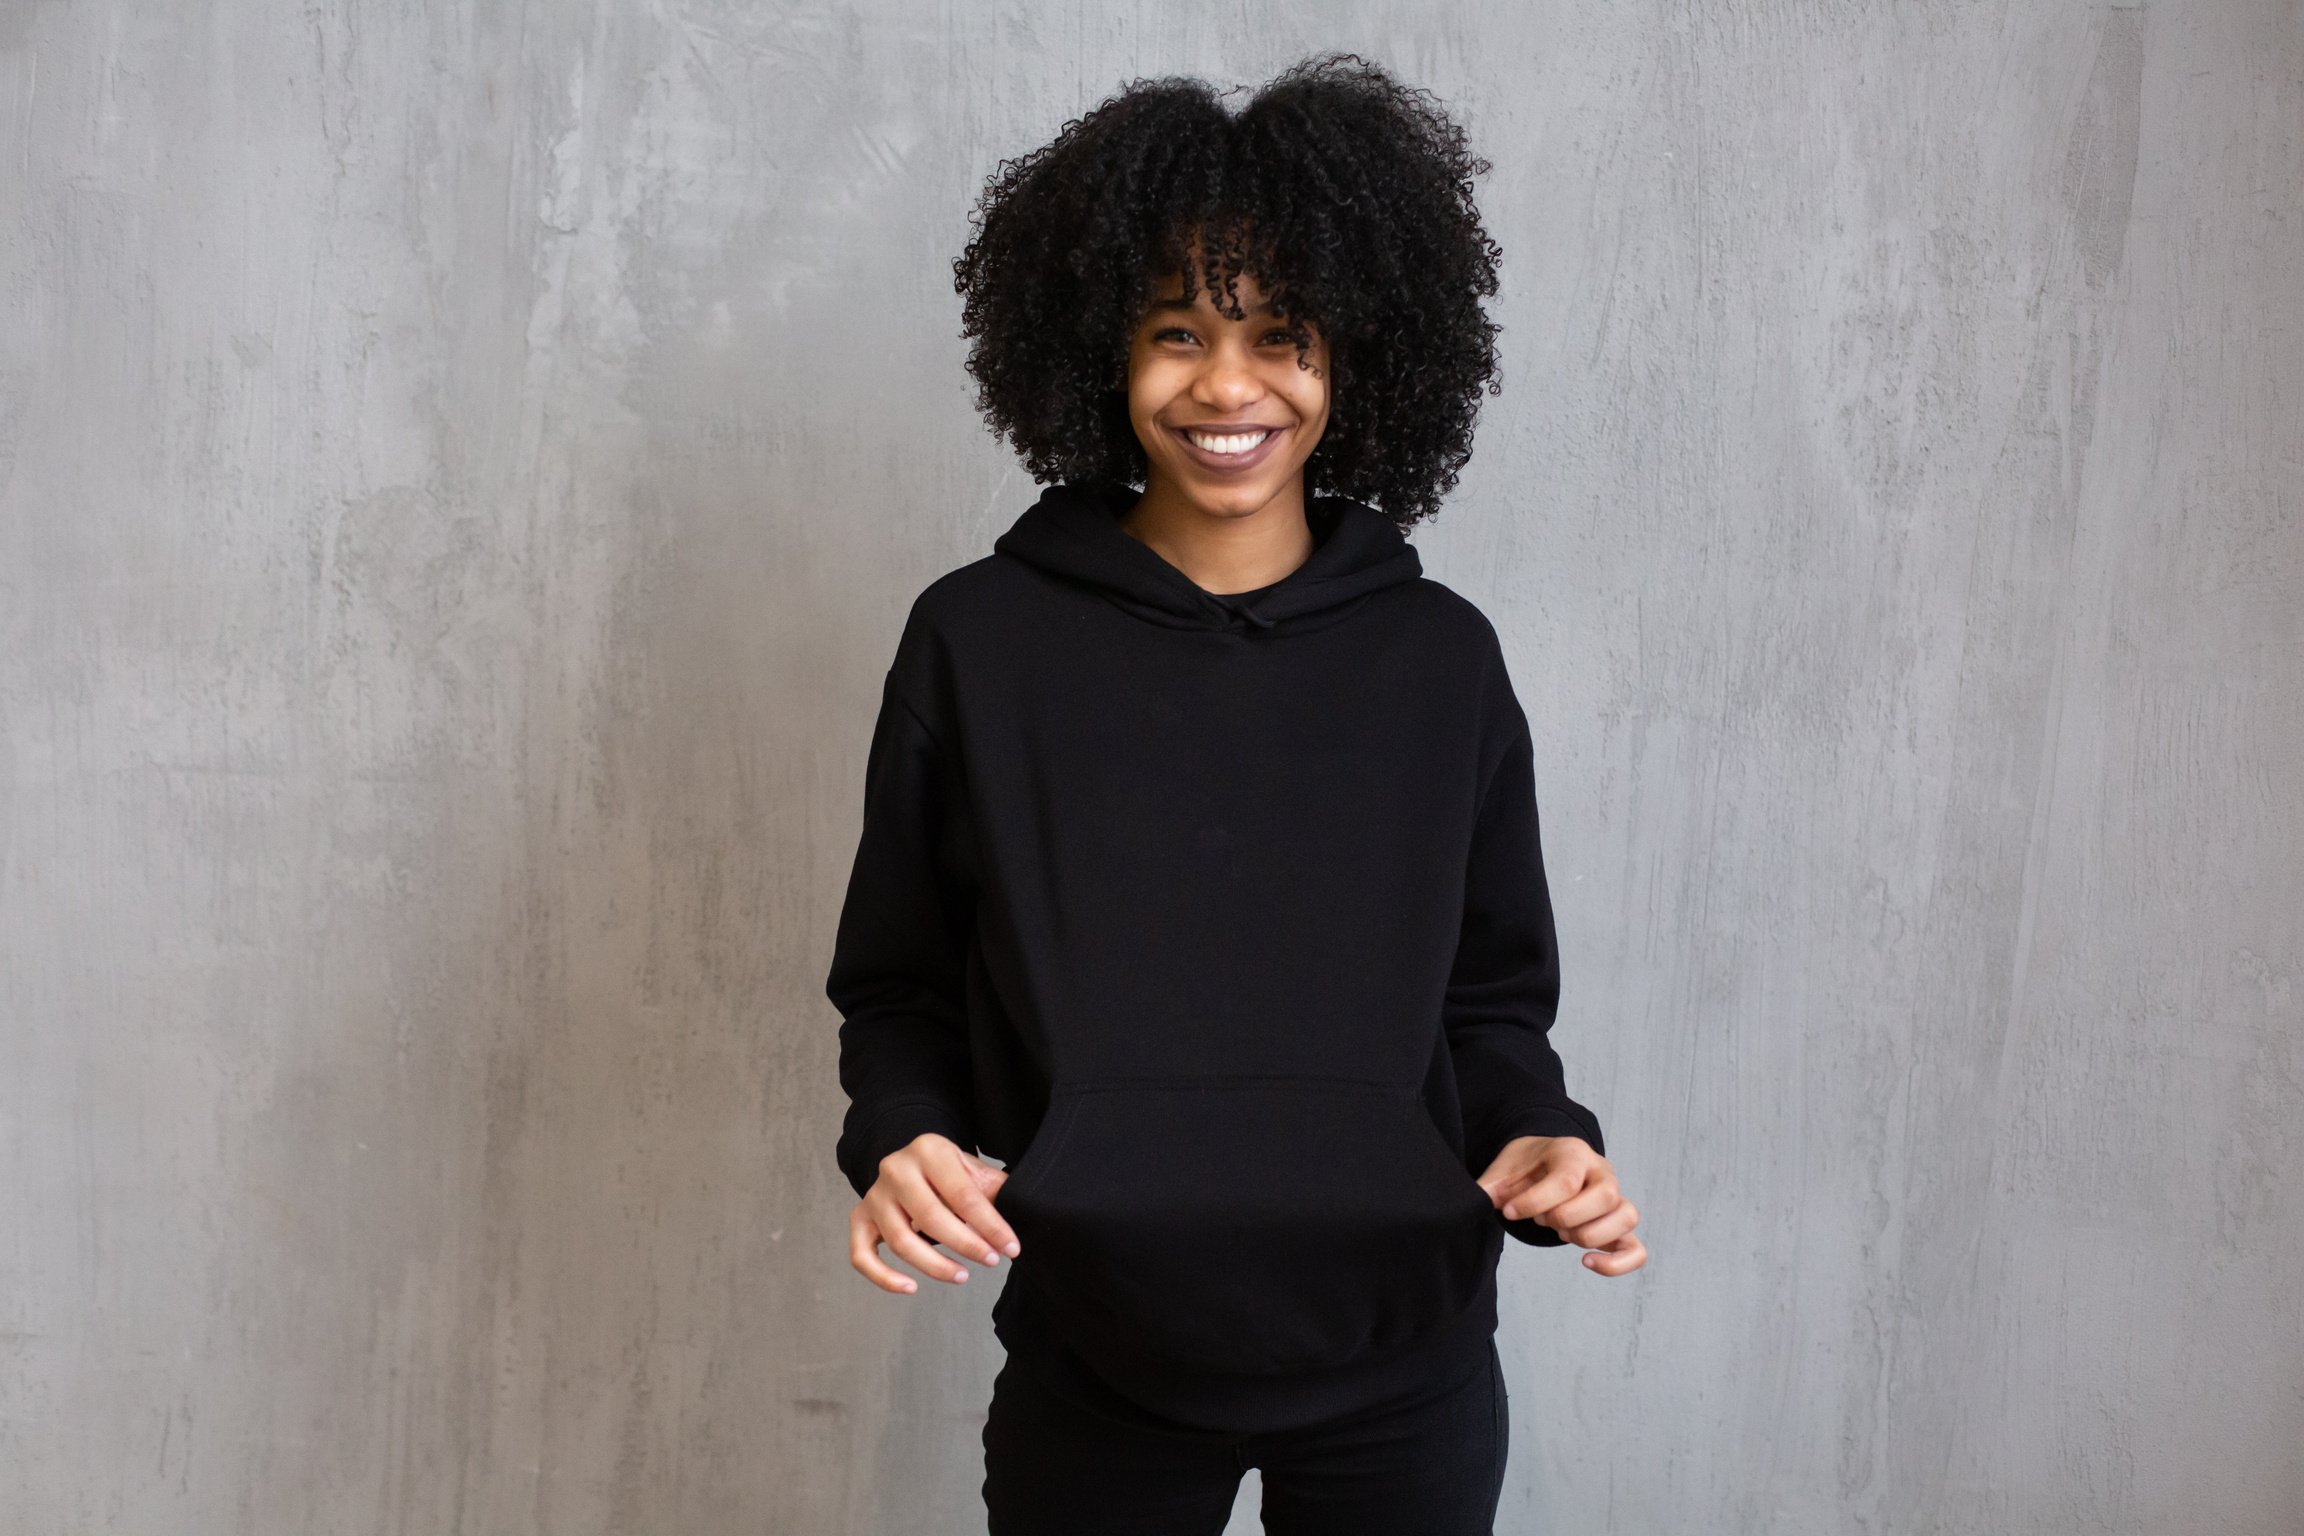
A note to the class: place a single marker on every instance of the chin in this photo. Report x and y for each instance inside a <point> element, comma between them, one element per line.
<point>1233,500</point>
<point>1232,496</point>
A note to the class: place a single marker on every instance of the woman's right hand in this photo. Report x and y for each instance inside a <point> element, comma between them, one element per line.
<point>928,1186</point>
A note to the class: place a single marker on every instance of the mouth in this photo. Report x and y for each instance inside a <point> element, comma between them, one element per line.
<point>1239,448</point>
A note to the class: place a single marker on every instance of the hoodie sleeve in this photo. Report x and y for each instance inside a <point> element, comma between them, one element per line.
<point>1504,988</point>
<point>899,955</point>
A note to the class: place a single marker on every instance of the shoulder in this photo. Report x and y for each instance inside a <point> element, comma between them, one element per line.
<point>947,607</point>
<point>941,625</point>
<point>1452,626</point>
<point>1449,604</point>
<point>1445,615</point>
<point>966,595</point>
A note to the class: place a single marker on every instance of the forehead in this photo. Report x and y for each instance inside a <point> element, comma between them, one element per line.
<point>1172,278</point>
<point>1167,294</point>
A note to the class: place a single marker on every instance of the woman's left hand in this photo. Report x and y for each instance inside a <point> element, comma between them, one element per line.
<point>1570,1188</point>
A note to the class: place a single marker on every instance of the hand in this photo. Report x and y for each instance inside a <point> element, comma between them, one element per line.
<point>928,1185</point>
<point>1570,1188</point>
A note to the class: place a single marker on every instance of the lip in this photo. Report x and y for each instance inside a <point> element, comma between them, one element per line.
<point>1225,462</point>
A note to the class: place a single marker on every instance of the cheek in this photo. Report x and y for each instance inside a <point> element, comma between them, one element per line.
<point>1308,385</point>
<point>1311,397</point>
<point>1148,392</point>
<point>1140,417</point>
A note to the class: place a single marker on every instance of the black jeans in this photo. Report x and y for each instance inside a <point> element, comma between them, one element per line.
<point>1066,1456</point>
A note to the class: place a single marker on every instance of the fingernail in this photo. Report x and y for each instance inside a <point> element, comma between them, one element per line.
<point>1013,1248</point>
<point>990,1257</point>
<point>959,1276</point>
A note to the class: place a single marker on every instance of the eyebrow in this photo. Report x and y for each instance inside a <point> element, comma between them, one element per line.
<point>1162,306</point>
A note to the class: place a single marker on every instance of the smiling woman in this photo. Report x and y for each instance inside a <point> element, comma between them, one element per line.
<point>1128,255</point>
<point>1226,408</point>
<point>1200,880</point>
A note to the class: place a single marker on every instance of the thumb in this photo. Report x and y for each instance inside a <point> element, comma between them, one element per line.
<point>1507,1174</point>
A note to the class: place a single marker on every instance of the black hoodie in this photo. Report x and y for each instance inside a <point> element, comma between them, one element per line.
<point>1223,923</point>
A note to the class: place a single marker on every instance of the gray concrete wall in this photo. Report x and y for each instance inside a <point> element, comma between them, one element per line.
<point>462,468</point>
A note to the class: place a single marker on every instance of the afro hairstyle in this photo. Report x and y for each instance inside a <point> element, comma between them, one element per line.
<point>1345,193</point>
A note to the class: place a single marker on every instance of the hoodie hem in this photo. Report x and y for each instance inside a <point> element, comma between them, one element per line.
<point>1028,1321</point>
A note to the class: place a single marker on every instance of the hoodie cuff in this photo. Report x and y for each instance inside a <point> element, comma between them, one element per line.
<point>895,1127</point>
<point>1544,1121</point>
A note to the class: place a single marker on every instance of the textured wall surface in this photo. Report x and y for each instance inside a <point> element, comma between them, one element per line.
<point>463,467</point>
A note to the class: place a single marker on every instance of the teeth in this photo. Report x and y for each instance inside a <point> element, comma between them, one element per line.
<point>1237,442</point>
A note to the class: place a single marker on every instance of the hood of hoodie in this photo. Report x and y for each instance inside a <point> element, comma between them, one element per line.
<point>1073,531</point>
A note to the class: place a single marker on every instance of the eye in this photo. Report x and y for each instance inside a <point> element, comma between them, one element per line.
<point>1173,330</point>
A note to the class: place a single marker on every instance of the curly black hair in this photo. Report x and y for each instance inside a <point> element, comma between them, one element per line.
<point>1347,194</point>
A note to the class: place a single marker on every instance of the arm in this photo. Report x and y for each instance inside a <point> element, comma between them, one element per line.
<point>898,961</point>
<point>1504,990</point>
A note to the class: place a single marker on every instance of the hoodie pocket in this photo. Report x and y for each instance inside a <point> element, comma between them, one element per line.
<point>1250,1223</point>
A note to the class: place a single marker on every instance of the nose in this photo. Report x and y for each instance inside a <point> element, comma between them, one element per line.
<point>1226,382</point>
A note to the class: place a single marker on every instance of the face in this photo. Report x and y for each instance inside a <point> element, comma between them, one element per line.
<point>1226,416</point>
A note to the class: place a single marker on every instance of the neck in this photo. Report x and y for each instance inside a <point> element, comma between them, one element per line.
<point>1223,551</point>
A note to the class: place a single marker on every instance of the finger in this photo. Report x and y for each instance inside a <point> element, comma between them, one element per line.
<point>1503,1181</point>
<point>1517,1163</point>
<point>915,1250</point>
<point>1539,1198</point>
<point>949,1186</point>
<point>1594,1202</point>
<point>1626,1255</point>
<point>917,1187</point>
<point>864,1255</point>
<point>1504,1175</point>
<point>972,1203</point>
<point>1604,1229</point>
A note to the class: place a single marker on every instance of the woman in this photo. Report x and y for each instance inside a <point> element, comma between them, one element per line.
<point>1200,878</point>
